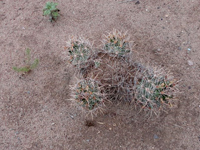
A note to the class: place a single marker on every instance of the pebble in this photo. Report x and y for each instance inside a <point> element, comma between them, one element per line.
<point>190,63</point>
<point>155,136</point>
<point>138,2</point>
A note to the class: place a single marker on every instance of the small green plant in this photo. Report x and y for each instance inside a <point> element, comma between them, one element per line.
<point>51,11</point>
<point>79,50</point>
<point>29,66</point>
<point>87,94</point>
<point>154,91</point>
<point>116,43</point>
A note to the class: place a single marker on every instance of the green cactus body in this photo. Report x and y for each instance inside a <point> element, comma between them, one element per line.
<point>115,46</point>
<point>79,51</point>
<point>116,43</point>
<point>88,95</point>
<point>152,91</point>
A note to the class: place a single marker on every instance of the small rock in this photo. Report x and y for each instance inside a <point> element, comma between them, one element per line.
<point>190,63</point>
<point>155,136</point>
<point>156,50</point>
<point>138,2</point>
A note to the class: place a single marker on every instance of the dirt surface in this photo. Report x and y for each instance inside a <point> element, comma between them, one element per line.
<point>34,111</point>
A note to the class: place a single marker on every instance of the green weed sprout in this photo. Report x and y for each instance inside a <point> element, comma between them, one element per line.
<point>29,66</point>
<point>116,43</point>
<point>51,11</point>
<point>79,50</point>
<point>154,91</point>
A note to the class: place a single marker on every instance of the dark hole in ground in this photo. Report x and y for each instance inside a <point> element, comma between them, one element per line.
<point>90,123</point>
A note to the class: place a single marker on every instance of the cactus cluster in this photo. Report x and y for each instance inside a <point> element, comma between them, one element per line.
<point>79,50</point>
<point>88,95</point>
<point>120,78</point>
<point>116,43</point>
<point>154,91</point>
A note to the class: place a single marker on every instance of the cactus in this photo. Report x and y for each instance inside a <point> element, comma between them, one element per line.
<point>116,76</point>
<point>111,74</point>
<point>116,43</point>
<point>79,50</point>
<point>154,91</point>
<point>87,94</point>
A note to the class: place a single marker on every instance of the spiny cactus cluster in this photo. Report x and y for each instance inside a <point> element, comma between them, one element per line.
<point>87,94</point>
<point>120,78</point>
<point>116,43</point>
<point>79,50</point>
<point>154,91</point>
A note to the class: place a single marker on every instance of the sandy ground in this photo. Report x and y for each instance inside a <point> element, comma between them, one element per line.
<point>34,111</point>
